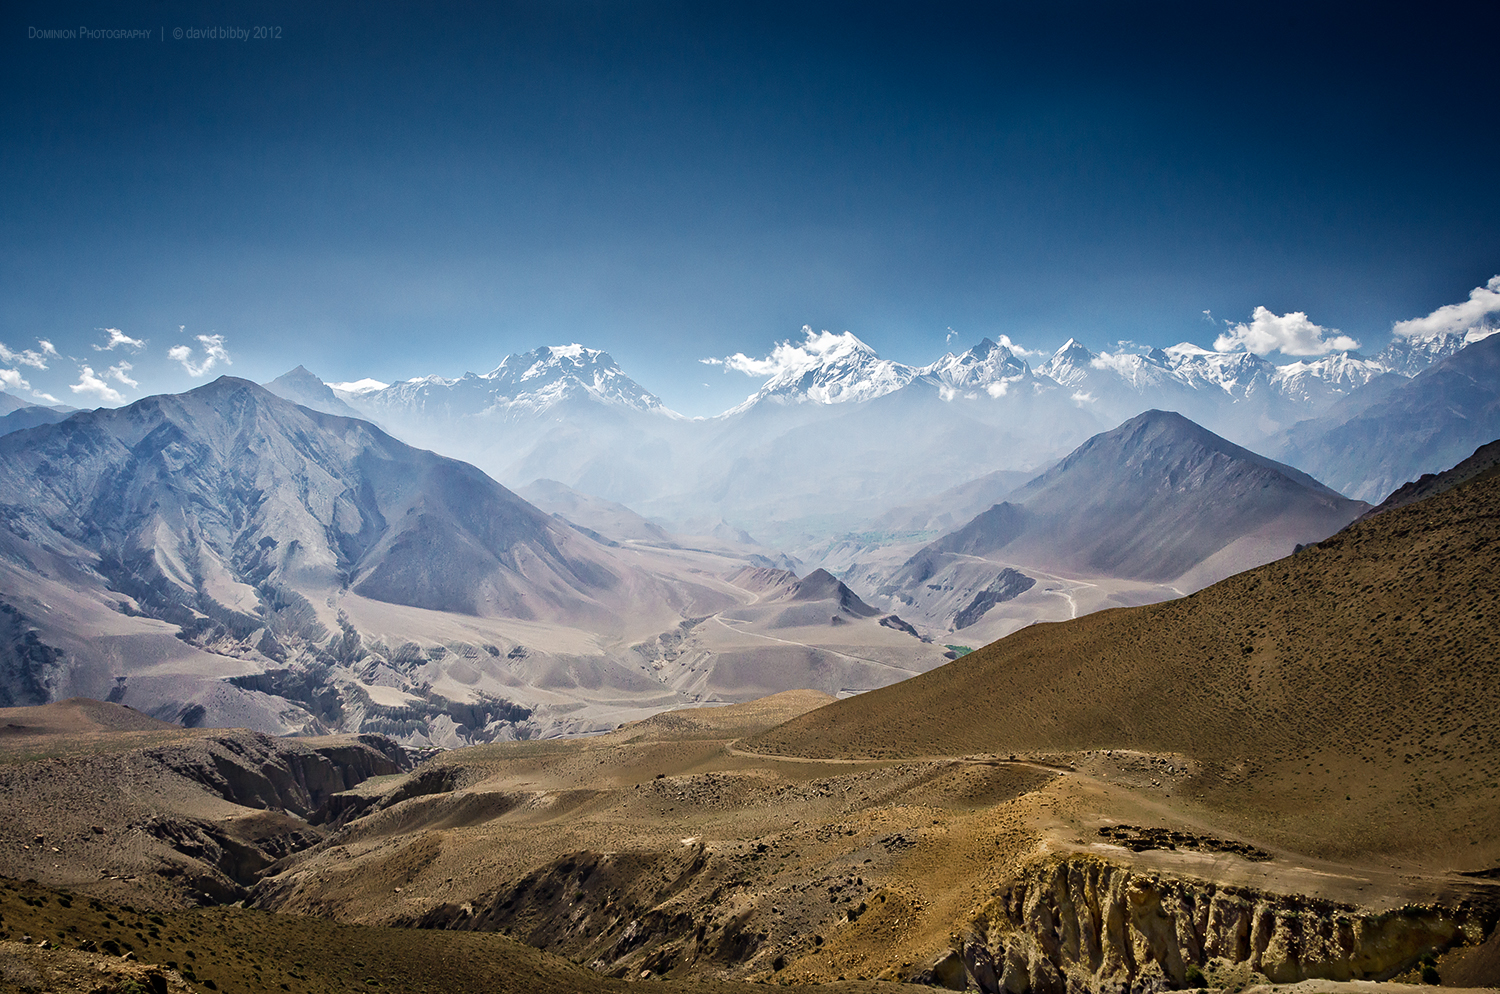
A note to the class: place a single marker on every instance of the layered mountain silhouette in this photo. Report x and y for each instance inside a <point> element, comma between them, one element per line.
<point>1397,429</point>
<point>9,402</point>
<point>839,440</point>
<point>302,387</point>
<point>198,553</point>
<point>227,556</point>
<point>1158,499</point>
<point>29,417</point>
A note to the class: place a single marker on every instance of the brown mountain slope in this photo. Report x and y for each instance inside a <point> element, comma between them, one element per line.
<point>1342,701</point>
<point>250,952</point>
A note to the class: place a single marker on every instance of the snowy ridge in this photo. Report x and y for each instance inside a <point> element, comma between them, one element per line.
<point>1235,375</point>
<point>987,367</point>
<point>528,383</point>
<point>837,369</point>
<point>830,369</point>
<point>1409,356</point>
<point>1321,380</point>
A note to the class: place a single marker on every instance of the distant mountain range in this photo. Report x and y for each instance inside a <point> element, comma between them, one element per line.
<point>836,440</point>
<point>1397,428</point>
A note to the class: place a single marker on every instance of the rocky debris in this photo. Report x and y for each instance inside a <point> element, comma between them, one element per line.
<point>1083,924</point>
<point>1141,839</point>
<point>694,912</point>
<point>43,967</point>
<point>667,646</point>
<point>615,911</point>
<point>947,971</point>
<point>163,830</point>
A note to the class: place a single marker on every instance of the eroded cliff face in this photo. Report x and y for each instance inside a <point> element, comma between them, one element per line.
<point>1082,924</point>
<point>258,771</point>
<point>195,821</point>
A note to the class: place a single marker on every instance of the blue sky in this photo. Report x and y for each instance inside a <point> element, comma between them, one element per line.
<point>388,193</point>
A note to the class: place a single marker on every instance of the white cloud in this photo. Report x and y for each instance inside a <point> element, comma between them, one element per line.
<point>365,385</point>
<point>119,373</point>
<point>1471,315</point>
<point>30,357</point>
<point>47,347</point>
<point>11,379</point>
<point>1081,397</point>
<point>118,338</point>
<point>45,396</point>
<point>1290,334</point>
<point>1125,364</point>
<point>89,382</point>
<point>998,389</point>
<point>213,354</point>
<point>789,358</point>
<point>1020,350</point>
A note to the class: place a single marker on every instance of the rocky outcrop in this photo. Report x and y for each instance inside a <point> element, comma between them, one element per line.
<point>1008,584</point>
<point>1084,924</point>
<point>292,786</point>
<point>29,668</point>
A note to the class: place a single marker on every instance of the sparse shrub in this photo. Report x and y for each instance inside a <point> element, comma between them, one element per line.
<point>1195,978</point>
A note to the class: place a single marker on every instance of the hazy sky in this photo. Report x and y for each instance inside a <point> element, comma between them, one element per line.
<point>388,193</point>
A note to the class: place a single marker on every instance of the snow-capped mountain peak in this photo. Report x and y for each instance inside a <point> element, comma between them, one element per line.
<point>1319,381</point>
<point>827,369</point>
<point>1069,365</point>
<point>1236,373</point>
<point>987,366</point>
<point>528,383</point>
<point>1409,356</point>
<point>553,373</point>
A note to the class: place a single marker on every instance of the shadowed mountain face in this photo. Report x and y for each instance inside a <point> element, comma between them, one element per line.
<point>301,387</point>
<point>1408,428</point>
<point>29,417</point>
<point>1379,645</point>
<point>227,501</point>
<point>1159,499</point>
<point>820,585</point>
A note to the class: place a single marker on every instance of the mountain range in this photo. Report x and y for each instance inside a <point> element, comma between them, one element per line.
<point>226,556</point>
<point>1396,429</point>
<point>263,557</point>
<point>837,439</point>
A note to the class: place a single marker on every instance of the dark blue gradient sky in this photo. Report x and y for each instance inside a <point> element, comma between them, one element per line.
<point>386,192</point>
